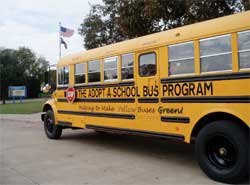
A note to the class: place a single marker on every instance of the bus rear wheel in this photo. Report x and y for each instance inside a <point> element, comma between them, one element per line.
<point>222,151</point>
<point>52,130</point>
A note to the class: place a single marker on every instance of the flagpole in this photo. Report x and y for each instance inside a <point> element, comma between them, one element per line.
<point>60,52</point>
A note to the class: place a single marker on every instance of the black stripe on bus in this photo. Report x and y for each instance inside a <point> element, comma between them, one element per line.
<point>214,77</point>
<point>108,100</point>
<point>65,123</point>
<point>62,100</point>
<point>137,132</point>
<point>105,85</point>
<point>62,88</point>
<point>98,114</point>
<point>100,85</point>
<point>175,119</point>
<point>101,100</point>
<point>148,100</point>
<point>208,99</point>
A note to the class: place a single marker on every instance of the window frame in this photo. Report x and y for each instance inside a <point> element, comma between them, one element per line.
<point>117,67</point>
<point>139,66</point>
<point>130,79</point>
<point>187,58</point>
<point>241,51</point>
<point>84,73</point>
<point>99,60</point>
<point>217,54</point>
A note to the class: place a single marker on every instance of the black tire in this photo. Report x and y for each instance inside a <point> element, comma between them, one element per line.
<point>100,132</point>
<point>52,130</point>
<point>222,151</point>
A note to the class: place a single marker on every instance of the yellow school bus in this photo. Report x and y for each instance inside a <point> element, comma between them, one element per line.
<point>189,84</point>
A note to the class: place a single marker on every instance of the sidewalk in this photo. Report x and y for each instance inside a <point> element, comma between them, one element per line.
<point>31,118</point>
<point>25,100</point>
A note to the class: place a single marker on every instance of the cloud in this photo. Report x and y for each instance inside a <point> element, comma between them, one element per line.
<point>34,24</point>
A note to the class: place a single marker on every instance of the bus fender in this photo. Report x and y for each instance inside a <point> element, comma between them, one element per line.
<point>49,104</point>
<point>212,115</point>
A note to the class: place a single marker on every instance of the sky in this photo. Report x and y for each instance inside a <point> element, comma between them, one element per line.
<point>35,24</point>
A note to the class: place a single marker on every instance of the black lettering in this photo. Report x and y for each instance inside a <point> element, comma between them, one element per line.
<point>185,89</point>
<point>150,90</point>
<point>177,89</point>
<point>90,94</point>
<point>82,93</point>
<point>160,110</point>
<point>191,89</point>
<point>199,89</point>
<point>121,92</point>
<point>99,92</point>
<point>164,89</point>
<point>109,93</point>
<point>180,110</point>
<point>118,92</point>
<point>96,92</point>
<point>170,90</point>
<point>145,90</point>
<point>209,88</point>
<point>137,92</point>
<point>133,91</point>
<point>156,90</point>
<point>128,92</point>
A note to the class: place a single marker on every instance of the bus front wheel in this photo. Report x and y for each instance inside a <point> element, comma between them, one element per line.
<point>52,130</point>
<point>222,151</point>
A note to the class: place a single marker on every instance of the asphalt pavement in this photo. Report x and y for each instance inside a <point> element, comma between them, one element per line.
<point>90,158</point>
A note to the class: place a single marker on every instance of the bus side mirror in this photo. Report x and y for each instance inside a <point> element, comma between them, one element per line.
<point>46,88</point>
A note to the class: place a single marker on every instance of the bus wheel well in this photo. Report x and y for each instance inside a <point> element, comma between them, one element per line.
<point>215,117</point>
<point>47,107</point>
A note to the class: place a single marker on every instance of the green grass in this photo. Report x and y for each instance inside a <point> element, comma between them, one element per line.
<point>22,108</point>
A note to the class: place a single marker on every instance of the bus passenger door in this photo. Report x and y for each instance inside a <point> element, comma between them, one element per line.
<point>148,84</point>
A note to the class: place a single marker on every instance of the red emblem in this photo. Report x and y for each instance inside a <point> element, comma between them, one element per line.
<point>71,94</point>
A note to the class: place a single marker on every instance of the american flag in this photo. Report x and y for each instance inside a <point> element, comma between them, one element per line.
<point>66,32</point>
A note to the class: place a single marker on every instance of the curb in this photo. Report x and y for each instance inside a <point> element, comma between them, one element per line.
<point>27,121</point>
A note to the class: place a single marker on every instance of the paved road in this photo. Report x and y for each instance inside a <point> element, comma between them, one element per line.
<point>88,158</point>
<point>25,118</point>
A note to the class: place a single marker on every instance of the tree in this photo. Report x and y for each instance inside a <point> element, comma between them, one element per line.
<point>21,67</point>
<point>246,4</point>
<point>200,10</point>
<point>8,71</point>
<point>118,20</point>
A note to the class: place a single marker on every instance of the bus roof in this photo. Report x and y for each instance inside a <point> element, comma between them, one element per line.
<point>223,25</point>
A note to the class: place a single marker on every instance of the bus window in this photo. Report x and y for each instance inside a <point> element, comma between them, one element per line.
<point>147,64</point>
<point>60,75</point>
<point>94,74</point>
<point>80,73</point>
<point>216,54</point>
<point>244,49</point>
<point>110,68</point>
<point>181,58</point>
<point>128,66</point>
<point>63,75</point>
<point>66,75</point>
